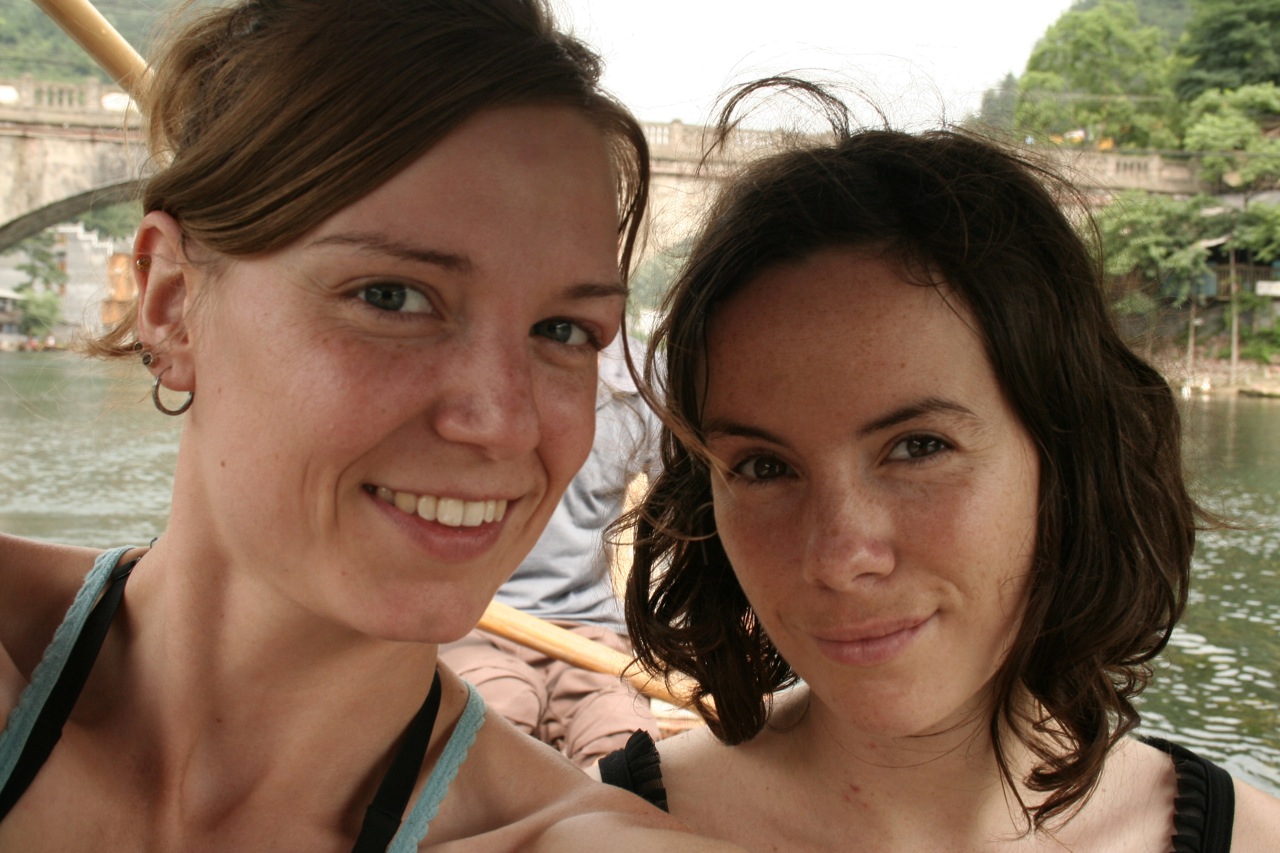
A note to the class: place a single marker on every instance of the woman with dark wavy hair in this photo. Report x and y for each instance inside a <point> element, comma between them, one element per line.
<point>921,525</point>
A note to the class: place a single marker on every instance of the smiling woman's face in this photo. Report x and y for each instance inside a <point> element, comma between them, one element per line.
<point>879,508</point>
<point>388,410</point>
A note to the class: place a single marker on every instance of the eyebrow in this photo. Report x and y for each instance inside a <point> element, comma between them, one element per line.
<point>454,262</point>
<point>904,414</point>
<point>927,406</point>
<point>378,244</point>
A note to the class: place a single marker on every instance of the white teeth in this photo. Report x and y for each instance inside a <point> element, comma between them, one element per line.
<point>451,512</point>
<point>473,513</point>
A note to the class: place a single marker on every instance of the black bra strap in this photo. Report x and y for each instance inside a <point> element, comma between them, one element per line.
<point>47,729</point>
<point>382,818</point>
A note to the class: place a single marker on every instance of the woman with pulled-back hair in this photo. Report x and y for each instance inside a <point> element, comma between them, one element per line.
<point>383,243</point>
<point>921,524</point>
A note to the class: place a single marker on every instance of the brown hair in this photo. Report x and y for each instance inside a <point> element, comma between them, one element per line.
<point>1116,525</point>
<point>269,116</point>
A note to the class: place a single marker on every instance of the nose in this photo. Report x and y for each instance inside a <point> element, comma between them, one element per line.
<point>849,539</point>
<point>488,398</point>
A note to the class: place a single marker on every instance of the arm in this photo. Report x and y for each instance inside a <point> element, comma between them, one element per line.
<point>1257,820</point>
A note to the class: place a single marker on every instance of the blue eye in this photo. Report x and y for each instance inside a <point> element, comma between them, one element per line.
<point>918,447</point>
<point>562,331</point>
<point>389,296</point>
<point>761,468</point>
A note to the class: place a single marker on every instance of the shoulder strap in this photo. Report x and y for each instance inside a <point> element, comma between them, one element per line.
<point>636,768</point>
<point>47,729</point>
<point>382,818</point>
<point>1204,810</point>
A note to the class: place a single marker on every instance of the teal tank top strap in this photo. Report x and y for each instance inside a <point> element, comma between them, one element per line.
<point>18,728</point>
<point>414,828</point>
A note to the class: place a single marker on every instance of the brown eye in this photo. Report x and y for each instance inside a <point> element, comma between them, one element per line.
<point>918,447</point>
<point>761,468</point>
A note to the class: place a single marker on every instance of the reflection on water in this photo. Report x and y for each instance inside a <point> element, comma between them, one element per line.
<point>88,461</point>
<point>1216,687</point>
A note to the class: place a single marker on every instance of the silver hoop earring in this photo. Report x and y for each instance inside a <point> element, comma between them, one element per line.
<point>155,398</point>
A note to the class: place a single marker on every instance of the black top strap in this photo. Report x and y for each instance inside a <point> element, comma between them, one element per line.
<point>382,818</point>
<point>46,731</point>
<point>1205,807</point>
<point>636,768</point>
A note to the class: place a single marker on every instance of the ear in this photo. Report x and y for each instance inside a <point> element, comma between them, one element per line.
<point>165,299</point>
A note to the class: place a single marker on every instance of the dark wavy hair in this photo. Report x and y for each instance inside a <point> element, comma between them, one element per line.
<point>265,117</point>
<point>1116,524</point>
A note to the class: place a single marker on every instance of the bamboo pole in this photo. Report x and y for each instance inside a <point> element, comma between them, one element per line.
<point>85,24</point>
<point>561,644</point>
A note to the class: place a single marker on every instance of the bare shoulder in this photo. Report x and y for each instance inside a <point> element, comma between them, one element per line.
<point>514,793</point>
<point>38,581</point>
<point>1257,820</point>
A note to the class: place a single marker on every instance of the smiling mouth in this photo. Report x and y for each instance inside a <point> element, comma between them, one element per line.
<point>451,512</point>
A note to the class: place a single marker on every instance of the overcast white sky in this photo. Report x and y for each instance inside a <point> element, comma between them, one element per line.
<point>919,59</point>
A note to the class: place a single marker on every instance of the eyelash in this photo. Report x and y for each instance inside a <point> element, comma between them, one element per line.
<point>592,338</point>
<point>735,471</point>
<point>937,445</point>
<point>940,446</point>
<point>406,293</point>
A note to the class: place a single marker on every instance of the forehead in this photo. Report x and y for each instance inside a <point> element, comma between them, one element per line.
<point>528,173</point>
<point>844,321</point>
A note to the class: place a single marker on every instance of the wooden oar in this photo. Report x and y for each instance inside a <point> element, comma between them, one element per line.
<point>561,644</point>
<point>85,24</point>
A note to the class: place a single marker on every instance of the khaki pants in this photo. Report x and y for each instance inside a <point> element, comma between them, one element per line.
<point>585,715</point>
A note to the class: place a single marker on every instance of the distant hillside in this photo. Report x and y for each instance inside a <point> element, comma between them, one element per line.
<point>30,43</point>
<point>1171,16</point>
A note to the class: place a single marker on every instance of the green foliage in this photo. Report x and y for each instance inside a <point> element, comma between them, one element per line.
<point>1099,74</point>
<point>40,313</point>
<point>1154,239</point>
<point>1262,345</point>
<point>1229,44</point>
<point>31,43</point>
<point>1225,128</point>
<point>41,266</point>
<point>1168,16</point>
<point>998,105</point>
<point>1258,230</point>
<point>116,222</point>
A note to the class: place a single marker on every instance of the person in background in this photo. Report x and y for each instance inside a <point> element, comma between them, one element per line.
<point>380,254</point>
<point>921,526</point>
<point>567,580</point>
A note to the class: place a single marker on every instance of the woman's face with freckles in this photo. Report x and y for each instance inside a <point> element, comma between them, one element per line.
<point>879,496</point>
<point>388,410</point>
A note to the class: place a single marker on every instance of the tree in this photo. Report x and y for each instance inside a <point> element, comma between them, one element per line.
<point>40,313</point>
<point>41,305</point>
<point>998,105</point>
<point>1225,129</point>
<point>1099,74</point>
<point>1158,242</point>
<point>1229,44</point>
<point>1168,16</point>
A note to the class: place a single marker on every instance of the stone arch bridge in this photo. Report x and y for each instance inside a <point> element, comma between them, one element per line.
<point>68,148</point>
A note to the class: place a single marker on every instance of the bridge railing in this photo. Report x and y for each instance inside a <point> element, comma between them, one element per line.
<point>25,100</point>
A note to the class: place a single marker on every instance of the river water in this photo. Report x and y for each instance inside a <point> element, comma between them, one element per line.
<point>88,461</point>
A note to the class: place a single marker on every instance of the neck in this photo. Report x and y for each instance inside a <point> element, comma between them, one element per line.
<point>228,689</point>
<point>927,791</point>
